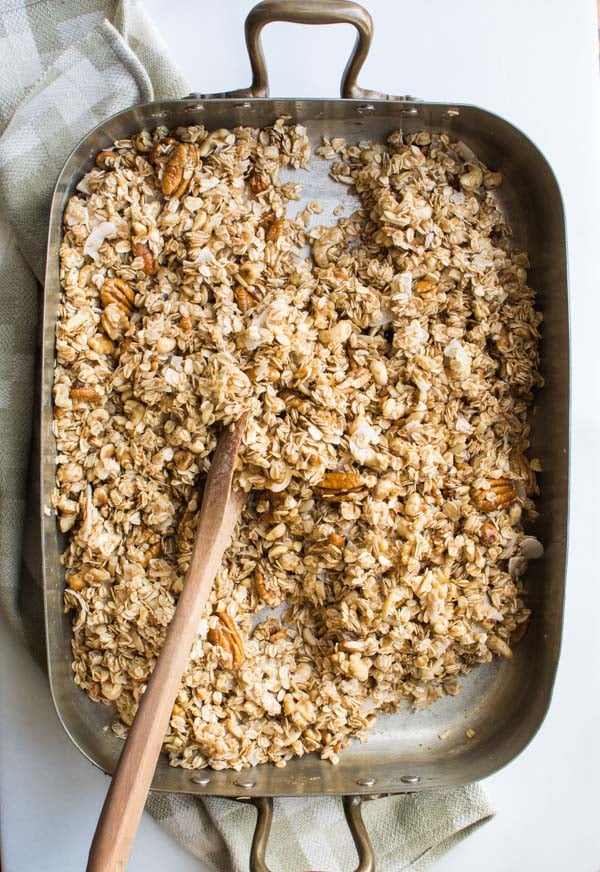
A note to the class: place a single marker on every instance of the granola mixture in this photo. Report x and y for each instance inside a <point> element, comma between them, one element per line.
<point>388,372</point>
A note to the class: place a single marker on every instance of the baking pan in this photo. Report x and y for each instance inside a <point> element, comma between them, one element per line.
<point>505,701</point>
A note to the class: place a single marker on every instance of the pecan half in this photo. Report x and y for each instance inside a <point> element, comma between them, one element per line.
<point>497,494</point>
<point>150,263</point>
<point>118,292</point>
<point>174,181</point>
<point>336,485</point>
<point>173,174</point>
<point>226,636</point>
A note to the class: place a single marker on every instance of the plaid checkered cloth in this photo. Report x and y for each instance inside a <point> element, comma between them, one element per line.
<point>65,65</point>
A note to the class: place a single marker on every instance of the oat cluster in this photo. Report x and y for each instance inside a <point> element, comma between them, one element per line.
<point>388,359</point>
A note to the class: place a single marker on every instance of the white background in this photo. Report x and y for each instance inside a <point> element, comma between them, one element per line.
<point>536,63</point>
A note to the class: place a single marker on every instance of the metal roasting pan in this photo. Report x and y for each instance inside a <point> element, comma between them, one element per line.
<point>504,702</point>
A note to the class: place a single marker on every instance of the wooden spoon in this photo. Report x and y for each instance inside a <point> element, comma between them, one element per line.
<point>126,797</point>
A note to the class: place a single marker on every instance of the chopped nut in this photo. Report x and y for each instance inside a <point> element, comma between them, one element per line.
<point>261,588</point>
<point>325,247</point>
<point>149,554</point>
<point>166,344</point>
<point>250,272</point>
<point>76,581</point>
<point>499,646</point>
<point>523,471</point>
<point>492,180</point>
<point>379,372</point>
<point>258,182</point>
<point>277,230</point>
<point>183,459</point>
<point>101,344</point>
<point>106,159</point>
<point>518,633</point>
<point>424,287</point>
<point>359,667</point>
<point>413,505</point>
<point>339,333</point>
<point>472,180</point>
<point>111,691</point>
<point>489,533</point>
<point>159,148</point>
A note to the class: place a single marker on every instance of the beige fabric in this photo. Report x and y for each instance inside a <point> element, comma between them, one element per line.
<point>65,65</point>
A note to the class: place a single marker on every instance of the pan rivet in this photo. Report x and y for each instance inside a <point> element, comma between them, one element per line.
<point>245,105</point>
<point>410,779</point>
<point>366,108</point>
<point>202,780</point>
<point>245,783</point>
<point>365,782</point>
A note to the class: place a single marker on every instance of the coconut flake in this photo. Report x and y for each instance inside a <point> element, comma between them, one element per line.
<point>204,255</point>
<point>465,152</point>
<point>401,288</point>
<point>83,186</point>
<point>382,317</point>
<point>531,548</point>
<point>97,237</point>
<point>459,359</point>
<point>362,437</point>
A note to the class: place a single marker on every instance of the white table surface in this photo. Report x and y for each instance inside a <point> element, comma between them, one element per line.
<point>536,63</point>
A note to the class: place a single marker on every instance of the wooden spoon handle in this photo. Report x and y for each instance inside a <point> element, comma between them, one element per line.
<point>126,797</point>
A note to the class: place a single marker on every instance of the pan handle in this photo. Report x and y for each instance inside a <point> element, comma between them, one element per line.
<point>352,810</point>
<point>310,12</point>
<point>307,12</point>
